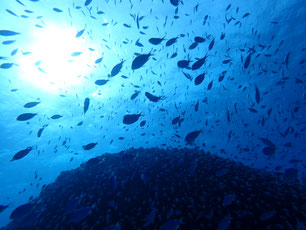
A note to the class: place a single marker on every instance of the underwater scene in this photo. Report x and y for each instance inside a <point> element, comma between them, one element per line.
<point>152,114</point>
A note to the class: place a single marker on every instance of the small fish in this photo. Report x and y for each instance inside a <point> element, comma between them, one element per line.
<point>86,104</point>
<point>41,130</point>
<point>8,33</point>
<point>89,146</point>
<point>140,60</point>
<point>75,54</point>
<point>247,61</point>
<point>199,63</point>
<point>87,2</point>
<point>101,82</point>
<point>134,95</point>
<point>193,45</point>
<point>26,116</point>
<point>117,68</point>
<point>22,153</point>
<point>211,45</point>
<point>56,116</point>
<point>130,118</point>
<point>6,65</point>
<point>199,79</point>
<point>80,33</point>
<point>190,137</point>
<point>257,95</point>
<point>8,42</point>
<point>31,104</point>
<point>57,10</point>
<point>152,98</point>
<point>171,41</point>
<point>210,85</point>
<point>199,39</point>
<point>98,61</point>
<point>156,41</point>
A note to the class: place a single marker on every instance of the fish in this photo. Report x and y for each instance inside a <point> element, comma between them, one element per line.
<point>140,60</point>
<point>101,82</point>
<point>210,85</point>
<point>117,68</point>
<point>152,98</point>
<point>31,104</point>
<point>86,104</point>
<point>199,63</point>
<point>190,137</point>
<point>247,61</point>
<point>175,2</point>
<point>80,33</point>
<point>8,33</point>
<point>22,153</point>
<point>75,54</point>
<point>6,65</point>
<point>199,39</point>
<point>87,2</point>
<point>89,146</point>
<point>98,61</point>
<point>56,116</point>
<point>134,95</point>
<point>156,41</point>
<point>8,42</point>
<point>257,95</point>
<point>193,45</point>
<point>142,123</point>
<point>57,10</point>
<point>171,41</point>
<point>41,130</point>
<point>11,12</point>
<point>26,116</point>
<point>199,79</point>
<point>183,64</point>
<point>211,45</point>
<point>129,119</point>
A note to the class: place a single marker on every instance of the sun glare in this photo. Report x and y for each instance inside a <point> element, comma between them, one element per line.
<point>57,60</point>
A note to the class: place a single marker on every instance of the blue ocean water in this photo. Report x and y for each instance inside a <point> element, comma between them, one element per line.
<point>82,78</point>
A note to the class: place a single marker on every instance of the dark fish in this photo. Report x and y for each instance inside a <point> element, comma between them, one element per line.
<point>142,123</point>
<point>140,60</point>
<point>26,116</point>
<point>226,61</point>
<point>87,2</point>
<point>57,10</point>
<point>86,104</point>
<point>117,68</point>
<point>8,33</point>
<point>22,153</point>
<point>171,41</point>
<point>266,141</point>
<point>80,33</point>
<point>31,104</point>
<point>245,15</point>
<point>56,116</point>
<point>199,39</point>
<point>79,215</point>
<point>156,41</point>
<point>193,46</point>
<point>21,211</point>
<point>101,82</point>
<point>134,95</point>
<point>152,98</point>
<point>196,108</point>
<point>211,45</point>
<point>199,79</point>
<point>199,63</point>
<point>190,137</point>
<point>41,130</point>
<point>183,64</point>
<point>247,61</point>
<point>6,65</point>
<point>210,85</point>
<point>89,146</point>
<point>253,110</point>
<point>174,2</point>
<point>131,118</point>
<point>11,12</point>
<point>257,95</point>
